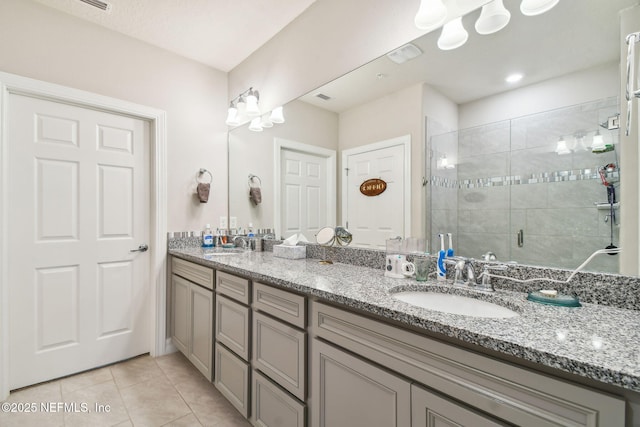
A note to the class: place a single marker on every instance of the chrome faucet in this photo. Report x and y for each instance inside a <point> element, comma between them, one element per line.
<point>464,272</point>
<point>243,241</point>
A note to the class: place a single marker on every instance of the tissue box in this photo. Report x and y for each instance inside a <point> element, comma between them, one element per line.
<point>290,252</point>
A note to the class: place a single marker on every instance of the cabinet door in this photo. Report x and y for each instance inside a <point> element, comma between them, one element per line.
<point>180,313</point>
<point>232,326</point>
<point>279,352</point>
<point>232,378</point>
<point>347,391</point>
<point>201,336</point>
<point>272,407</point>
<point>431,410</point>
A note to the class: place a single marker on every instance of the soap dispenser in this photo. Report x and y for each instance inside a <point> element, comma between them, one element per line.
<point>207,237</point>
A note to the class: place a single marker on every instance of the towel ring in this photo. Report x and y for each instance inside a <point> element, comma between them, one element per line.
<point>202,172</point>
<point>252,177</point>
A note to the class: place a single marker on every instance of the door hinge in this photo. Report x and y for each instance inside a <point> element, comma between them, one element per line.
<point>346,171</point>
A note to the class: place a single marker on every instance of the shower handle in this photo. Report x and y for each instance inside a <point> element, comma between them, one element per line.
<point>520,238</point>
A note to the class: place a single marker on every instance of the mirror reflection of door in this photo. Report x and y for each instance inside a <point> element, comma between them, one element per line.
<point>373,219</point>
<point>306,188</point>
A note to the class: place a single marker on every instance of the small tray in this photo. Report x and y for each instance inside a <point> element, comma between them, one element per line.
<point>558,300</point>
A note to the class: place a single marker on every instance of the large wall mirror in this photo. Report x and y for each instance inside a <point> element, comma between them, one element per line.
<point>461,150</point>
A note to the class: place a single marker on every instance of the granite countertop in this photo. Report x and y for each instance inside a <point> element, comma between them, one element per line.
<point>594,341</point>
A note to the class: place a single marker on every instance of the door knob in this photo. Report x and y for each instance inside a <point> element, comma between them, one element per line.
<point>141,248</point>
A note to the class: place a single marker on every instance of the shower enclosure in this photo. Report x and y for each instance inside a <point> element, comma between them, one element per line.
<point>529,189</point>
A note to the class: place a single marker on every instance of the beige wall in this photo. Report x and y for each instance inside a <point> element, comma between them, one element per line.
<point>42,43</point>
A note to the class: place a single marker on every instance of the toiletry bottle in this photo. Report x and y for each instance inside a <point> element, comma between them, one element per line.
<point>207,237</point>
<point>251,238</point>
<point>442,271</point>
<point>450,250</point>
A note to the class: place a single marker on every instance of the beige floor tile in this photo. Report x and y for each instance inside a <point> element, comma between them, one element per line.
<point>154,402</point>
<point>124,424</point>
<point>178,368</point>
<point>103,403</point>
<point>135,371</point>
<point>85,379</point>
<point>209,405</point>
<point>189,420</point>
<point>33,399</point>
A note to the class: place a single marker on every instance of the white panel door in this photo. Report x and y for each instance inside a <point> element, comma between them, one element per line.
<point>304,193</point>
<point>373,219</point>
<point>78,203</point>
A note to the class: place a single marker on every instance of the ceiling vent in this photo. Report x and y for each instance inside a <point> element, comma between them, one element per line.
<point>322,96</point>
<point>102,5</point>
<point>404,53</point>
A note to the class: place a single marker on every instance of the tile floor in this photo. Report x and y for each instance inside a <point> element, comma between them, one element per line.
<point>145,391</point>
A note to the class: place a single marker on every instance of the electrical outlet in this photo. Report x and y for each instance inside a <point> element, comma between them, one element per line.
<point>223,223</point>
<point>233,222</point>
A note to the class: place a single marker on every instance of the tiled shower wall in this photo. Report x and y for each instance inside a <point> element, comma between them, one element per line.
<point>508,177</point>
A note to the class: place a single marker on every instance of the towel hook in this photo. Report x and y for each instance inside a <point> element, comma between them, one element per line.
<point>251,180</point>
<point>201,172</point>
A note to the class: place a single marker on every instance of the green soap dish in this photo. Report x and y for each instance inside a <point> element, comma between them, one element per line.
<point>558,300</point>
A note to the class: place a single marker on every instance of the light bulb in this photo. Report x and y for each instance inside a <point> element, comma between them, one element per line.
<point>232,115</point>
<point>453,35</point>
<point>493,18</point>
<point>252,103</point>
<point>536,7</point>
<point>431,14</point>
<point>277,115</point>
<point>255,125</point>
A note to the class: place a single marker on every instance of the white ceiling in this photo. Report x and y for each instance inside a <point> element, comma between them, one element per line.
<point>575,35</point>
<point>219,33</point>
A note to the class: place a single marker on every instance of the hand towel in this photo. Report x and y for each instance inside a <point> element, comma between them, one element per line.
<point>203,192</point>
<point>255,194</point>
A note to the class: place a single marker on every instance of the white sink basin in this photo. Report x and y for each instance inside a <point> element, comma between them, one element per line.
<point>455,304</point>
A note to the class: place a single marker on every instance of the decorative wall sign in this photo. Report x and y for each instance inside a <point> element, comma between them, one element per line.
<point>373,187</point>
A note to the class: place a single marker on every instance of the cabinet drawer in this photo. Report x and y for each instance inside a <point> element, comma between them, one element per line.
<point>232,286</point>
<point>272,407</point>
<point>232,326</point>
<point>279,353</point>
<point>232,378</point>
<point>194,272</point>
<point>284,305</point>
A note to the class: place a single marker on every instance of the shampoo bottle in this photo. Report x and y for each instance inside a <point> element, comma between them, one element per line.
<point>207,237</point>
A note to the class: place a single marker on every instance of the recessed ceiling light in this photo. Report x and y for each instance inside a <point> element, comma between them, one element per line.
<point>513,78</point>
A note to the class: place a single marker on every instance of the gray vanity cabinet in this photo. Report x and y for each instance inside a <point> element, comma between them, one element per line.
<point>348,391</point>
<point>192,313</point>
<point>279,357</point>
<point>232,332</point>
<point>431,410</point>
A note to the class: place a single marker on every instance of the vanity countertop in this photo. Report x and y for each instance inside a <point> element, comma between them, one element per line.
<point>594,341</point>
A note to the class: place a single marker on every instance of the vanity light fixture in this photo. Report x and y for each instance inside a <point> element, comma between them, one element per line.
<point>444,163</point>
<point>453,35</point>
<point>431,14</point>
<point>493,17</point>
<point>598,145</point>
<point>243,106</point>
